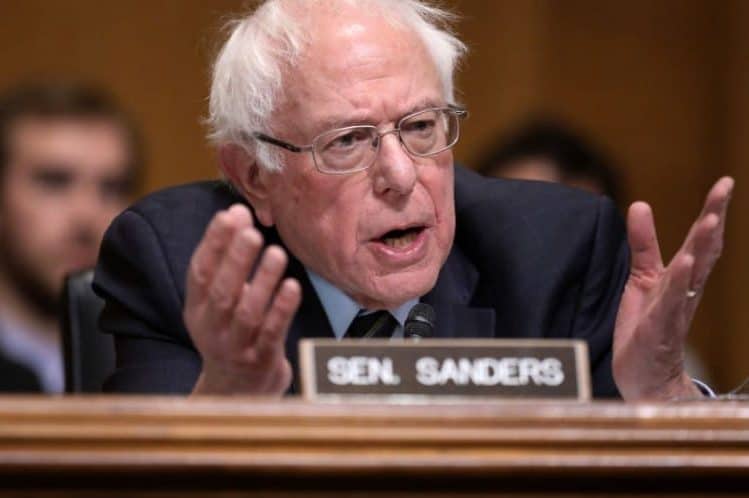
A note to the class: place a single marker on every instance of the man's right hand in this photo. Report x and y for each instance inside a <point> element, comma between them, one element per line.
<point>239,326</point>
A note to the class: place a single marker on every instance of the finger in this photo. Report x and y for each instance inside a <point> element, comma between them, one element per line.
<point>716,203</point>
<point>673,302</point>
<point>705,238</point>
<point>278,319</point>
<point>718,197</point>
<point>245,322</point>
<point>233,271</point>
<point>206,257</point>
<point>256,297</point>
<point>280,382</point>
<point>643,240</point>
<point>706,249</point>
<point>267,276</point>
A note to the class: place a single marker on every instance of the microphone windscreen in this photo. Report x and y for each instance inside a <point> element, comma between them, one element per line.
<point>420,321</point>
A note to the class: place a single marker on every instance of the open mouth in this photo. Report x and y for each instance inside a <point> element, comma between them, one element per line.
<point>400,238</point>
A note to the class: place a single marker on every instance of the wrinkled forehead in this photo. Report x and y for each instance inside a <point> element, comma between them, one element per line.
<point>354,65</point>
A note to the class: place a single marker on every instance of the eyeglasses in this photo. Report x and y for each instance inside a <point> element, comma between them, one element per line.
<point>354,148</point>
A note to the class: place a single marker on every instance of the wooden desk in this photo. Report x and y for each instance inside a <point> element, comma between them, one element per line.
<point>134,446</point>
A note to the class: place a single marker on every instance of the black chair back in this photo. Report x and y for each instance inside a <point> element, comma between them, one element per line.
<point>87,352</point>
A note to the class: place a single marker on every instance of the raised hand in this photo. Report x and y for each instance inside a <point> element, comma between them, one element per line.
<point>239,326</point>
<point>659,302</point>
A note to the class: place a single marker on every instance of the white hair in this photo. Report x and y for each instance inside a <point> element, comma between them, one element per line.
<point>248,72</point>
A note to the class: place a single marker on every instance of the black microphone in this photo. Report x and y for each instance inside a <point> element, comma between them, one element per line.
<point>420,322</point>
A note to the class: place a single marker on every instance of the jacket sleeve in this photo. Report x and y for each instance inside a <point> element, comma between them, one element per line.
<point>602,288</point>
<point>143,310</point>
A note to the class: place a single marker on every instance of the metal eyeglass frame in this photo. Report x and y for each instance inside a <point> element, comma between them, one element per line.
<point>458,111</point>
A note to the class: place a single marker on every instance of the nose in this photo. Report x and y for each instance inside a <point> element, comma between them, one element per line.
<point>85,209</point>
<point>395,172</point>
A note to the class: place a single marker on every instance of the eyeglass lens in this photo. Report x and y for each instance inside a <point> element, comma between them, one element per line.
<point>352,148</point>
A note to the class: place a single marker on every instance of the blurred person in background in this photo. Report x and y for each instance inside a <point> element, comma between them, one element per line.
<point>69,162</point>
<point>549,150</point>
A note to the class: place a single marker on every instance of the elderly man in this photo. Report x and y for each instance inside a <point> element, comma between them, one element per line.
<point>334,121</point>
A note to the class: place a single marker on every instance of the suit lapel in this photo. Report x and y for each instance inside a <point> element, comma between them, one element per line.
<point>451,300</point>
<point>310,320</point>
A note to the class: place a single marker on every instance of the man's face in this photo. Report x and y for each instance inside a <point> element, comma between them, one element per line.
<point>381,235</point>
<point>62,186</point>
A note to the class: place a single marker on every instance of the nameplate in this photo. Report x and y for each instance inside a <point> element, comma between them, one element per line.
<point>465,369</point>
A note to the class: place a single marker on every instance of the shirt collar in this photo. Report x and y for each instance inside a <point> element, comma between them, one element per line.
<point>341,309</point>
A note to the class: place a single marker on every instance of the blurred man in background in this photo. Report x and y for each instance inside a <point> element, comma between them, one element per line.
<point>69,160</point>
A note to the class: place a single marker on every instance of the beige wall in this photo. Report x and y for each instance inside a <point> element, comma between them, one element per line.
<point>663,85</point>
<point>153,54</point>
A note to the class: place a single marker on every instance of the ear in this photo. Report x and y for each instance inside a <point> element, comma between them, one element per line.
<point>251,179</point>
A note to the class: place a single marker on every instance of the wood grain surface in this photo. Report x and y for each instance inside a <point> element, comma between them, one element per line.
<point>130,446</point>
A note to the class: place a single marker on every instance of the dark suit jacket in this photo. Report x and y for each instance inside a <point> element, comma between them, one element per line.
<point>530,260</point>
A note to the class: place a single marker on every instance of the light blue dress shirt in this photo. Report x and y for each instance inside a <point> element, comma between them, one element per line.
<point>35,350</point>
<point>341,309</point>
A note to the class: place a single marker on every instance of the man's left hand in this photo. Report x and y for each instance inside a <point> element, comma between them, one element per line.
<point>659,302</point>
